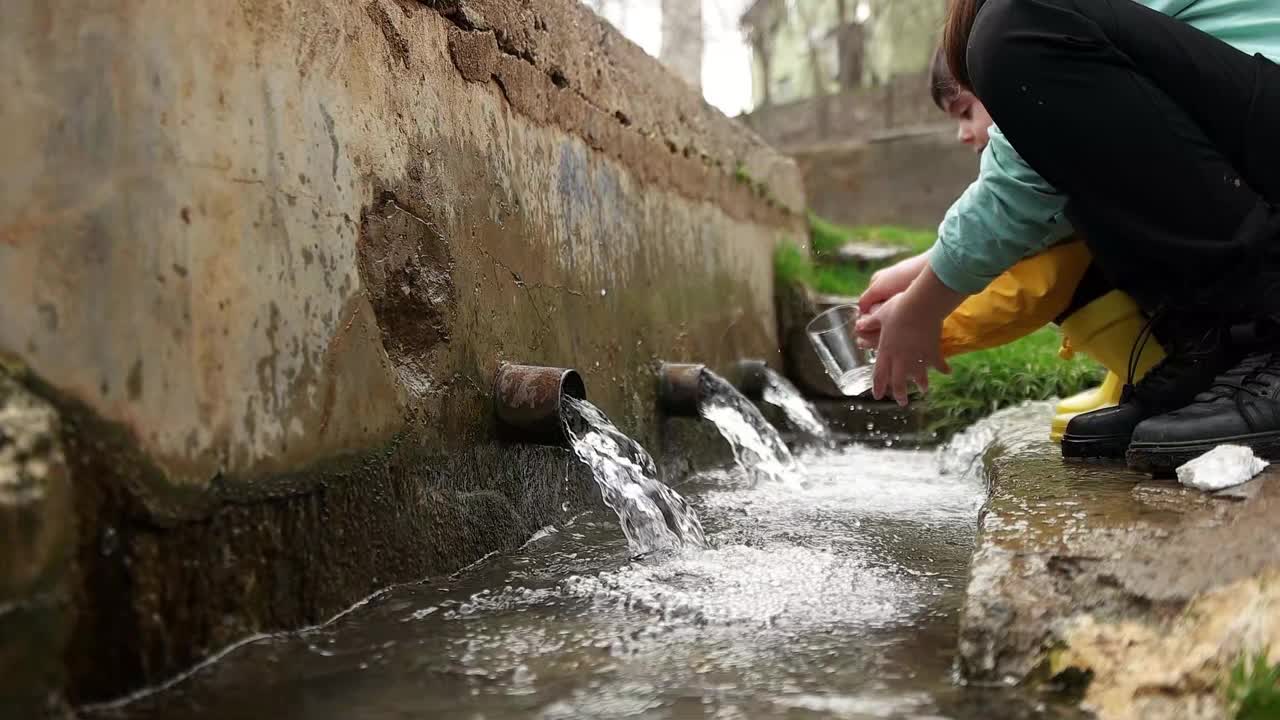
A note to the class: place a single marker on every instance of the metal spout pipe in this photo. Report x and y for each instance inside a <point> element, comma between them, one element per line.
<point>752,377</point>
<point>680,389</point>
<point>529,401</point>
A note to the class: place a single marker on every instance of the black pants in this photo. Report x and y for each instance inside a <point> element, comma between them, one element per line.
<point>1093,285</point>
<point>1165,140</point>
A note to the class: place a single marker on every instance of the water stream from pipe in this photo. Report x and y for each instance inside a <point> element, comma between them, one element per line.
<point>801,414</point>
<point>652,515</point>
<point>757,447</point>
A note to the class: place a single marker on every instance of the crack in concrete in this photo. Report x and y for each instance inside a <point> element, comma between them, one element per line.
<point>522,283</point>
<point>544,327</point>
<point>333,138</point>
<point>421,220</point>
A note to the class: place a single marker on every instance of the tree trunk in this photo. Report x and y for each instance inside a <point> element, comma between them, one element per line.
<point>682,39</point>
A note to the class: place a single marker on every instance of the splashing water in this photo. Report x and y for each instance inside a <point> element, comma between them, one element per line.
<point>653,516</point>
<point>1010,427</point>
<point>757,447</point>
<point>800,413</point>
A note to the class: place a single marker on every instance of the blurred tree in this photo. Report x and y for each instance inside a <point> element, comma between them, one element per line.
<point>682,32</point>
<point>902,36</point>
<point>682,39</point>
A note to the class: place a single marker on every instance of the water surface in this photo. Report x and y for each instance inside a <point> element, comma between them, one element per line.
<point>830,595</point>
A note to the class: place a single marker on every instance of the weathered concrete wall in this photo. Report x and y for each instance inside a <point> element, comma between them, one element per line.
<point>907,178</point>
<point>266,257</point>
<point>1144,591</point>
<point>849,116</point>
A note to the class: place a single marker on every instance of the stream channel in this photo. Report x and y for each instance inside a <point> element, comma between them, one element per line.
<point>824,585</point>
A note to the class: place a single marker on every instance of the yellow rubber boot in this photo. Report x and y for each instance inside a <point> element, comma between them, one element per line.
<point>1108,331</point>
<point>1105,395</point>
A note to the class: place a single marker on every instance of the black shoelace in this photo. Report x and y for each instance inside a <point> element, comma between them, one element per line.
<point>1250,374</point>
<point>1135,356</point>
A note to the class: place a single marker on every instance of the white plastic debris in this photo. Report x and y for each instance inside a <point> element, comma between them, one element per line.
<point>1222,467</point>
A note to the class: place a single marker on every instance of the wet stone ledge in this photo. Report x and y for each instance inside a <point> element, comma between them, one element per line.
<point>1138,594</point>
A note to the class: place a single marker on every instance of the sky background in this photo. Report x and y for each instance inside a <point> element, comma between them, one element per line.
<point>726,62</point>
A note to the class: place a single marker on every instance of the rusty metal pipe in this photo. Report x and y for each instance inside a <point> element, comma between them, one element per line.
<point>529,401</point>
<point>680,388</point>
<point>752,377</point>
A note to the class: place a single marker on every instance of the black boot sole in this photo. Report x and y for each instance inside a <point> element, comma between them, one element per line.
<point>1165,458</point>
<point>1094,447</point>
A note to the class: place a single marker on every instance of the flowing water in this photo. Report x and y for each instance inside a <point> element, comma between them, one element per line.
<point>835,597</point>
<point>779,392</point>
<point>757,447</point>
<point>652,515</point>
<point>857,381</point>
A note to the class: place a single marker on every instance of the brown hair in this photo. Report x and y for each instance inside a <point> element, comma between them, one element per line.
<point>942,85</point>
<point>955,39</point>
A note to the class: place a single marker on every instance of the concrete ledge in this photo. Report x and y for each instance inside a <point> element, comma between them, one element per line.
<point>1150,589</point>
<point>37,538</point>
<point>906,178</point>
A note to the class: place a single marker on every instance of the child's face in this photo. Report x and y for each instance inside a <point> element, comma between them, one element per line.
<point>972,118</point>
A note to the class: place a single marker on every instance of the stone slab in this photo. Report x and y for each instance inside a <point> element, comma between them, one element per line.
<point>1152,588</point>
<point>864,254</point>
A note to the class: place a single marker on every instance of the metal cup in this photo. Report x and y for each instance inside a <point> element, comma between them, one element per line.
<point>834,337</point>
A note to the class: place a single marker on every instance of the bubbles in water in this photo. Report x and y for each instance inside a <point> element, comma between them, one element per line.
<point>653,516</point>
<point>800,412</point>
<point>772,586</point>
<point>757,447</point>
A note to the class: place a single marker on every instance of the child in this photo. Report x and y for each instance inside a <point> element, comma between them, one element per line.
<point>1175,186</point>
<point>1058,285</point>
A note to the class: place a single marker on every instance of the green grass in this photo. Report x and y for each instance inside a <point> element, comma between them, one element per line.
<point>792,264</point>
<point>982,382</point>
<point>827,237</point>
<point>840,278</point>
<point>1253,689</point>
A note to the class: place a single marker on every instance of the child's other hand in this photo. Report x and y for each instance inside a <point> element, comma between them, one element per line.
<point>891,281</point>
<point>909,343</point>
<point>868,328</point>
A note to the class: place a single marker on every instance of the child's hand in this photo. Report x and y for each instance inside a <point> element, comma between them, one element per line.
<point>891,281</point>
<point>908,333</point>
<point>908,346</point>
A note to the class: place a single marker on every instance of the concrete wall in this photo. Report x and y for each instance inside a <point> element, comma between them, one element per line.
<point>903,102</point>
<point>265,258</point>
<point>907,178</point>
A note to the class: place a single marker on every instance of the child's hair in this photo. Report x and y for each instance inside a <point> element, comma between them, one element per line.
<point>955,39</point>
<point>942,84</point>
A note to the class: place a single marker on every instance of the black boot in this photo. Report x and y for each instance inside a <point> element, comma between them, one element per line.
<point>1241,408</point>
<point>1190,368</point>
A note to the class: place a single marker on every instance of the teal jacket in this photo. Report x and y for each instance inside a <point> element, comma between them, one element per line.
<point>1010,212</point>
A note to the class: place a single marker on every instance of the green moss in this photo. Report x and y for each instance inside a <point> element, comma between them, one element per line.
<point>1253,689</point>
<point>983,382</point>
